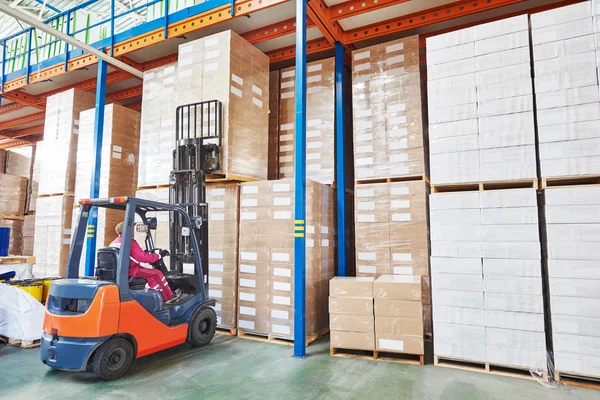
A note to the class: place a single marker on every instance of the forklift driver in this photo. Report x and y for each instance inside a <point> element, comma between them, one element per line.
<point>156,279</point>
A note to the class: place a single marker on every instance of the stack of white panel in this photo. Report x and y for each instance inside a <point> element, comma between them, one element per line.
<point>486,280</point>
<point>573,226</point>
<point>481,104</point>
<point>566,86</point>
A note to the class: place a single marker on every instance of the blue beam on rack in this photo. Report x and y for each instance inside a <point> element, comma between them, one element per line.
<point>300,186</point>
<point>340,161</point>
<point>90,256</point>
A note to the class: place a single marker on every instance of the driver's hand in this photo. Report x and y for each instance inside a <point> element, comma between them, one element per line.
<point>164,253</point>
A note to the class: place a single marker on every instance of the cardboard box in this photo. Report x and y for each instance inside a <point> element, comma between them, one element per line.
<point>340,286</point>
<point>398,308</point>
<point>394,287</point>
<point>399,325</point>
<point>351,323</point>
<point>352,340</point>
<point>350,305</point>
<point>399,343</point>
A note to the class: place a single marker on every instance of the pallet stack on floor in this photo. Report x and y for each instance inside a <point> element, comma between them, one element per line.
<point>566,84</point>
<point>266,262</point>
<point>118,168</point>
<point>390,167</point>
<point>57,166</point>
<point>12,208</point>
<point>220,67</point>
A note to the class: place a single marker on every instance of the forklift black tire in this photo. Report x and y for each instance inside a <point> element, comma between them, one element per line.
<point>202,327</point>
<point>113,358</point>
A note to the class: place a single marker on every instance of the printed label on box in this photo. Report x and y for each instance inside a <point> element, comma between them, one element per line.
<point>362,55</point>
<point>248,310</point>
<point>281,329</point>
<point>394,47</point>
<point>215,293</point>
<point>215,280</point>
<point>280,314</point>
<point>365,193</point>
<point>285,272</point>
<point>367,269</point>
<point>248,269</point>
<point>314,68</point>
<point>248,256</point>
<point>215,254</point>
<point>215,267</point>
<point>283,286</point>
<point>282,201</point>
<point>283,300</point>
<point>248,215</point>
<point>249,189</point>
<point>249,202</point>
<point>397,345</point>
<point>400,204</point>
<point>367,256</point>
<point>366,218</point>
<point>284,257</point>
<point>402,257</point>
<point>281,187</point>
<point>217,204</point>
<point>403,271</point>
<point>251,283</point>
<point>245,324</point>
<point>401,217</point>
<point>282,215</point>
<point>251,297</point>
<point>217,217</point>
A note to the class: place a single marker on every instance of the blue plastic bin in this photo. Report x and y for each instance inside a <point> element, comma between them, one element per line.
<point>4,240</point>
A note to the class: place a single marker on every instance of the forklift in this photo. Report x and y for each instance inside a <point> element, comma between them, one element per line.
<point>103,323</point>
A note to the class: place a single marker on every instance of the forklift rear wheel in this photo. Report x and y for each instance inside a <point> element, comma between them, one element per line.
<point>203,327</point>
<point>113,358</point>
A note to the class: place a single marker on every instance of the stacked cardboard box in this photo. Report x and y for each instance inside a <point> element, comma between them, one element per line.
<point>351,313</point>
<point>18,161</point>
<point>387,111</point>
<point>12,195</point>
<point>566,85</point>
<point>320,121</point>
<point>573,231</point>
<point>157,128</point>
<point>481,104</point>
<point>391,233</point>
<point>56,160</point>
<point>15,244</point>
<point>28,235</point>
<point>486,277</point>
<point>398,314</point>
<point>223,229</point>
<point>118,169</point>
<point>266,266</point>
<point>273,168</point>
<point>52,235</point>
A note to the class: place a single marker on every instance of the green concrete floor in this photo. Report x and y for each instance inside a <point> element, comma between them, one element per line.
<point>232,368</point>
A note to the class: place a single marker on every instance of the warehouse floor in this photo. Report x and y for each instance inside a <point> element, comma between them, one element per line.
<point>233,368</point>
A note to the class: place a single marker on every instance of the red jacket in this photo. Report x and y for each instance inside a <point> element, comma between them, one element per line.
<point>137,255</point>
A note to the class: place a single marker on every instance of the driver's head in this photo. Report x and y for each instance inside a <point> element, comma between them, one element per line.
<point>119,228</point>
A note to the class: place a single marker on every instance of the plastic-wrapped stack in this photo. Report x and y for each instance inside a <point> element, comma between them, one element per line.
<point>220,67</point>
<point>118,169</point>
<point>566,84</point>
<point>480,102</point>
<point>266,263</point>
<point>223,229</point>
<point>398,314</point>
<point>387,111</point>
<point>15,244</point>
<point>351,313</point>
<point>573,231</point>
<point>486,277</point>
<point>320,121</point>
<point>391,233</point>
<point>18,161</point>
<point>56,163</point>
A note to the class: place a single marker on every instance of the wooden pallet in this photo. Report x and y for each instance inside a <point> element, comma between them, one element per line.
<point>485,367</point>
<point>13,217</point>
<point>226,331</point>
<point>400,358</point>
<point>574,180</point>
<point>576,379</point>
<point>17,260</point>
<point>392,179</point>
<point>272,339</point>
<point>153,187</point>
<point>229,178</point>
<point>24,344</point>
<point>482,186</point>
<point>57,194</point>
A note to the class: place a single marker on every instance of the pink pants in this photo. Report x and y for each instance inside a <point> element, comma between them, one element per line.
<point>156,280</point>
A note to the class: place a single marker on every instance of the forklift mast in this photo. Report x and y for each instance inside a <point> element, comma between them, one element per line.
<point>199,139</point>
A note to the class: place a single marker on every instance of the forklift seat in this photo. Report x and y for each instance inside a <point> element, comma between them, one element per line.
<point>106,268</point>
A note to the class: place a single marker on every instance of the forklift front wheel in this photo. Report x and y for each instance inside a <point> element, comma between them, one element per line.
<point>202,327</point>
<point>113,358</point>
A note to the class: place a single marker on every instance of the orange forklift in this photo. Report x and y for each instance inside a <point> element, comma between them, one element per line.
<point>103,323</point>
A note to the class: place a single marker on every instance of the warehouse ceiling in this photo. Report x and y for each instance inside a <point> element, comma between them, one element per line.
<point>254,22</point>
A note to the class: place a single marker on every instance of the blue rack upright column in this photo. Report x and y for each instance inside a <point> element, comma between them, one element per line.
<point>90,256</point>
<point>300,186</point>
<point>339,157</point>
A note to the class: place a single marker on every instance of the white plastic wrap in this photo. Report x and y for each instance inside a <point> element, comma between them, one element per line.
<point>21,315</point>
